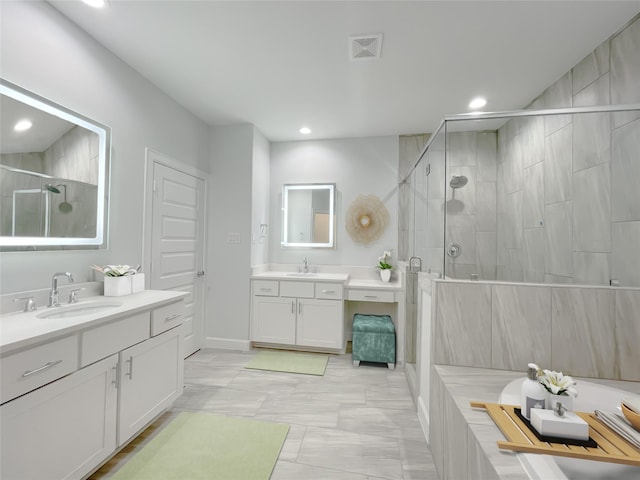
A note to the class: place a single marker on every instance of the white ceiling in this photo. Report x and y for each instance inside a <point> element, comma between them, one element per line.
<point>281,65</point>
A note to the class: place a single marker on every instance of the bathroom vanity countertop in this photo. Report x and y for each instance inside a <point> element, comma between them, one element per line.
<point>372,284</point>
<point>309,277</point>
<point>23,329</point>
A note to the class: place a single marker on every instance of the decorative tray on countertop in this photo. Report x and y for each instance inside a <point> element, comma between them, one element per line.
<point>610,446</point>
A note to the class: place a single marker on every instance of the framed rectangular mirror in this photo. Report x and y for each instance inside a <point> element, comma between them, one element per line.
<point>53,174</point>
<point>308,215</point>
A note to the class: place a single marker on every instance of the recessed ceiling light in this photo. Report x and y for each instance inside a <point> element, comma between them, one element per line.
<point>95,3</point>
<point>305,130</point>
<point>22,125</point>
<point>477,103</point>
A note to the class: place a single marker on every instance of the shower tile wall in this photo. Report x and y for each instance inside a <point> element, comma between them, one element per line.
<point>581,330</point>
<point>471,209</point>
<point>568,204</point>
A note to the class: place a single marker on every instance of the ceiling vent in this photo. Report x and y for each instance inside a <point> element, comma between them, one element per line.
<point>365,47</point>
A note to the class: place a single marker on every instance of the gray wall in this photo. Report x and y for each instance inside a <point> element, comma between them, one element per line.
<point>59,61</point>
<point>367,166</point>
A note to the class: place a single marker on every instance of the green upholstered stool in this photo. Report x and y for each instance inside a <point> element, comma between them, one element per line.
<point>374,339</point>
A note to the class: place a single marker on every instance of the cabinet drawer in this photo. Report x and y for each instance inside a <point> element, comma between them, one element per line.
<point>105,340</point>
<point>331,291</point>
<point>37,366</point>
<point>297,289</point>
<point>265,288</point>
<point>371,296</point>
<point>167,317</point>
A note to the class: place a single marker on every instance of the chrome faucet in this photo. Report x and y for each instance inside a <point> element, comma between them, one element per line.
<point>306,265</point>
<point>53,294</point>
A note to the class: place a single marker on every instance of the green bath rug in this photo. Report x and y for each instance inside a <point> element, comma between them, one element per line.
<point>291,362</point>
<point>198,446</point>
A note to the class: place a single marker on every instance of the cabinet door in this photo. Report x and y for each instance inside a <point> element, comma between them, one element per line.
<point>320,323</point>
<point>151,378</point>
<point>274,320</point>
<point>64,429</point>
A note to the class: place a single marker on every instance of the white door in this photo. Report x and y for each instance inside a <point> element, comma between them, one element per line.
<point>177,244</point>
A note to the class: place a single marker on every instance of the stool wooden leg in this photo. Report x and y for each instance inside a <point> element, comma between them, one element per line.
<point>392,366</point>
<point>356,363</point>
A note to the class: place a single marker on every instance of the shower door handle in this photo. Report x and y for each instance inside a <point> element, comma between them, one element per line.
<point>415,264</point>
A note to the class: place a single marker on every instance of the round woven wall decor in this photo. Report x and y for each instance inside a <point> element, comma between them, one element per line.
<point>366,219</point>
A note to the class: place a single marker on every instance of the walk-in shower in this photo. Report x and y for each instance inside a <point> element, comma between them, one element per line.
<point>540,196</point>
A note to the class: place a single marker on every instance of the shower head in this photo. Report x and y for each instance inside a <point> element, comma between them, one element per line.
<point>51,188</point>
<point>458,181</point>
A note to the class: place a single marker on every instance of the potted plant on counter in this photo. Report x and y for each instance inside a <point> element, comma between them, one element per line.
<point>384,266</point>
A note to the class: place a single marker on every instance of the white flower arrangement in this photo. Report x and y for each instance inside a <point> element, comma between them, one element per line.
<point>557,383</point>
<point>383,264</point>
<point>116,270</point>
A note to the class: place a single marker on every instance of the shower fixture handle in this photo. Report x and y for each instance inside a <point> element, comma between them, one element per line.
<point>454,250</point>
<point>415,264</point>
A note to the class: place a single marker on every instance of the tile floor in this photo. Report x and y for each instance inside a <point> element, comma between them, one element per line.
<point>350,424</point>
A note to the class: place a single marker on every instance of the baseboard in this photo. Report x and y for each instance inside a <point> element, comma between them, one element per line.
<point>227,343</point>
<point>423,416</point>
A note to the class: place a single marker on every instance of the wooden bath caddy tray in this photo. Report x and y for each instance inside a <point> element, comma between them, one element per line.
<point>611,447</point>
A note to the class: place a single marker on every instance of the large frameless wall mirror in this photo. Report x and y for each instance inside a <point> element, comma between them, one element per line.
<point>308,215</point>
<point>53,174</point>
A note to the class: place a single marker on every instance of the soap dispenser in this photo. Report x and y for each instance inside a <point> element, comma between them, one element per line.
<point>532,394</point>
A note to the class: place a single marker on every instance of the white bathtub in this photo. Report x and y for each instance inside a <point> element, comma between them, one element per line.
<point>591,396</point>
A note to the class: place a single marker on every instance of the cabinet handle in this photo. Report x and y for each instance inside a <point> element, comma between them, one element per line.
<point>40,369</point>
<point>329,292</point>
<point>172,317</point>
<point>300,307</point>
<point>263,289</point>
<point>293,306</point>
<point>115,376</point>
<point>370,296</point>
<point>130,372</point>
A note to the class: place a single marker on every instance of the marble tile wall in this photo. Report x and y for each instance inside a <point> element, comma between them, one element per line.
<point>471,210</point>
<point>575,178</point>
<point>584,331</point>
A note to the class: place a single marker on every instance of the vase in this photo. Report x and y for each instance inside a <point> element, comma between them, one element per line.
<point>117,286</point>
<point>565,400</point>
<point>385,274</point>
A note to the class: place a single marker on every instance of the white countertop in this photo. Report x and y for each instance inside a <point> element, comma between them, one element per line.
<point>373,284</point>
<point>349,281</point>
<point>310,277</point>
<point>19,330</point>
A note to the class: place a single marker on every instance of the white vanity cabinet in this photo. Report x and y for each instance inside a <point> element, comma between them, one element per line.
<point>118,376</point>
<point>151,378</point>
<point>298,313</point>
<point>64,429</point>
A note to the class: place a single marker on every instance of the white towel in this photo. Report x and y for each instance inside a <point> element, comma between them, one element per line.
<point>619,424</point>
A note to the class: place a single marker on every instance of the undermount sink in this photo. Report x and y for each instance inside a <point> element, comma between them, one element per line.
<point>67,311</point>
<point>301,274</point>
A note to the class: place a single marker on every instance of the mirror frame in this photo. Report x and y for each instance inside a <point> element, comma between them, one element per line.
<point>286,188</point>
<point>104,152</point>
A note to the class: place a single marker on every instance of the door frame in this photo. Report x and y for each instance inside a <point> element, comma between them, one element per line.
<point>152,157</point>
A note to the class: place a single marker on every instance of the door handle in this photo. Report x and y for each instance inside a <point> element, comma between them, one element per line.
<point>200,273</point>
